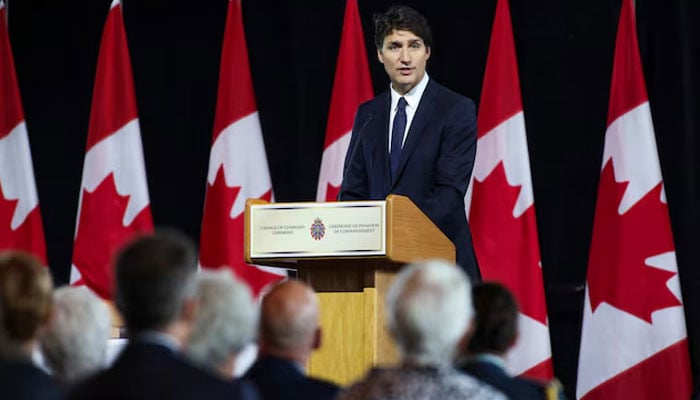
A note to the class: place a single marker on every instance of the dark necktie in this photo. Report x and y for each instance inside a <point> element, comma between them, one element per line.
<point>397,136</point>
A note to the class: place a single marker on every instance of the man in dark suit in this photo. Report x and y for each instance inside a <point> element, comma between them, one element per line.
<point>496,333</point>
<point>289,332</point>
<point>155,295</point>
<point>418,139</point>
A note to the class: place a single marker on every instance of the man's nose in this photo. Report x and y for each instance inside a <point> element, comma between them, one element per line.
<point>405,55</point>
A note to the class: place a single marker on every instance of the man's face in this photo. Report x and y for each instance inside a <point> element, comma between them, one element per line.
<point>404,56</point>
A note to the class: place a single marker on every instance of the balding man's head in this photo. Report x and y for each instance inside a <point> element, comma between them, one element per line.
<point>289,321</point>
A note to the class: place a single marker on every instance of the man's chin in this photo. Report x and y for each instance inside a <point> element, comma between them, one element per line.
<point>404,85</point>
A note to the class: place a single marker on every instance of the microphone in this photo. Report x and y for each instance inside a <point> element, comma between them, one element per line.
<point>354,140</point>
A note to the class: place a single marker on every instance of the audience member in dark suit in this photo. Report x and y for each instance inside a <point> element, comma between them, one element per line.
<point>75,341</point>
<point>25,307</point>
<point>496,333</point>
<point>431,155</point>
<point>226,322</point>
<point>155,294</point>
<point>289,332</point>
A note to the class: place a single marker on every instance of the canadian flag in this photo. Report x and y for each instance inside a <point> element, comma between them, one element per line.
<point>352,87</point>
<point>237,163</point>
<point>20,220</point>
<point>633,341</point>
<point>501,209</point>
<point>114,204</point>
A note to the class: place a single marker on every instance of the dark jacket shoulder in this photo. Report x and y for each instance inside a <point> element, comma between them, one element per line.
<point>516,388</point>
<point>277,378</point>
<point>150,371</point>
<point>22,380</point>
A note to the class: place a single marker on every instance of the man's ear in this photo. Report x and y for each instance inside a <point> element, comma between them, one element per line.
<point>47,320</point>
<point>514,341</point>
<point>190,307</point>
<point>471,328</point>
<point>428,53</point>
<point>463,344</point>
<point>380,57</point>
<point>318,338</point>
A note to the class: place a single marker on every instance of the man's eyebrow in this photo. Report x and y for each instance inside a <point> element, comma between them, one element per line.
<point>401,43</point>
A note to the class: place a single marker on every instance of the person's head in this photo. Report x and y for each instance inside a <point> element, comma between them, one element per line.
<point>25,301</point>
<point>226,321</point>
<point>403,40</point>
<point>289,326</point>
<point>75,339</point>
<point>155,283</point>
<point>496,319</point>
<point>429,311</point>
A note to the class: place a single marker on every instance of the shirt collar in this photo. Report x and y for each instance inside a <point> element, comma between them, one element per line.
<point>159,338</point>
<point>413,96</point>
<point>491,359</point>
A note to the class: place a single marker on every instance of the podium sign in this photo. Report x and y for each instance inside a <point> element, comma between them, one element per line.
<point>300,230</point>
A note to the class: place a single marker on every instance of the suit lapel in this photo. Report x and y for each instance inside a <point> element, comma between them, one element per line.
<point>382,114</point>
<point>417,128</point>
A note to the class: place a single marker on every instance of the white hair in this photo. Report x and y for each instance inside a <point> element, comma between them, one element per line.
<point>76,337</point>
<point>429,309</point>
<point>226,321</point>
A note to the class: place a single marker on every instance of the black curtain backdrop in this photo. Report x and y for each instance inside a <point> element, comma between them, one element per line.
<point>565,51</point>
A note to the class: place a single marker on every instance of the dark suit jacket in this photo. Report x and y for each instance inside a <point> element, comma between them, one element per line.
<point>20,380</point>
<point>435,165</point>
<point>514,387</point>
<point>277,378</point>
<point>151,371</point>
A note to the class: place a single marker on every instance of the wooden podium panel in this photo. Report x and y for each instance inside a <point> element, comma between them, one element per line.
<point>351,289</point>
<point>351,299</point>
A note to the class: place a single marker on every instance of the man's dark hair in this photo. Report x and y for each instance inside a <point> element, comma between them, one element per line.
<point>154,276</point>
<point>496,319</point>
<point>402,18</point>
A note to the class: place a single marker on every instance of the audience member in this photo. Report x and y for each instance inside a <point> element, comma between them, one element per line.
<point>429,312</point>
<point>155,293</point>
<point>226,321</point>
<point>289,332</point>
<point>75,340</point>
<point>25,307</point>
<point>496,333</point>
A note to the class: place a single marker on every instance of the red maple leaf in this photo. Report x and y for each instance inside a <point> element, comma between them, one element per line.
<point>506,247</point>
<point>29,236</point>
<point>617,272</point>
<point>332,192</point>
<point>221,241</point>
<point>101,233</point>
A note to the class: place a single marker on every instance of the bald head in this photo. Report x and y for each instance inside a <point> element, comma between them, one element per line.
<point>289,321</point>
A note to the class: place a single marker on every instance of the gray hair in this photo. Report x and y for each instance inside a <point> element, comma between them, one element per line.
<point>429,309</point>
<point>76,337</point>
<point>227,318</point>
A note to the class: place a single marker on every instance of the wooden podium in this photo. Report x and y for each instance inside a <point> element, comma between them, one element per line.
<point>351,288</point>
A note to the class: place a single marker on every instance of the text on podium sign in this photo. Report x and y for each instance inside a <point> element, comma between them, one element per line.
<point>318,229</point>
